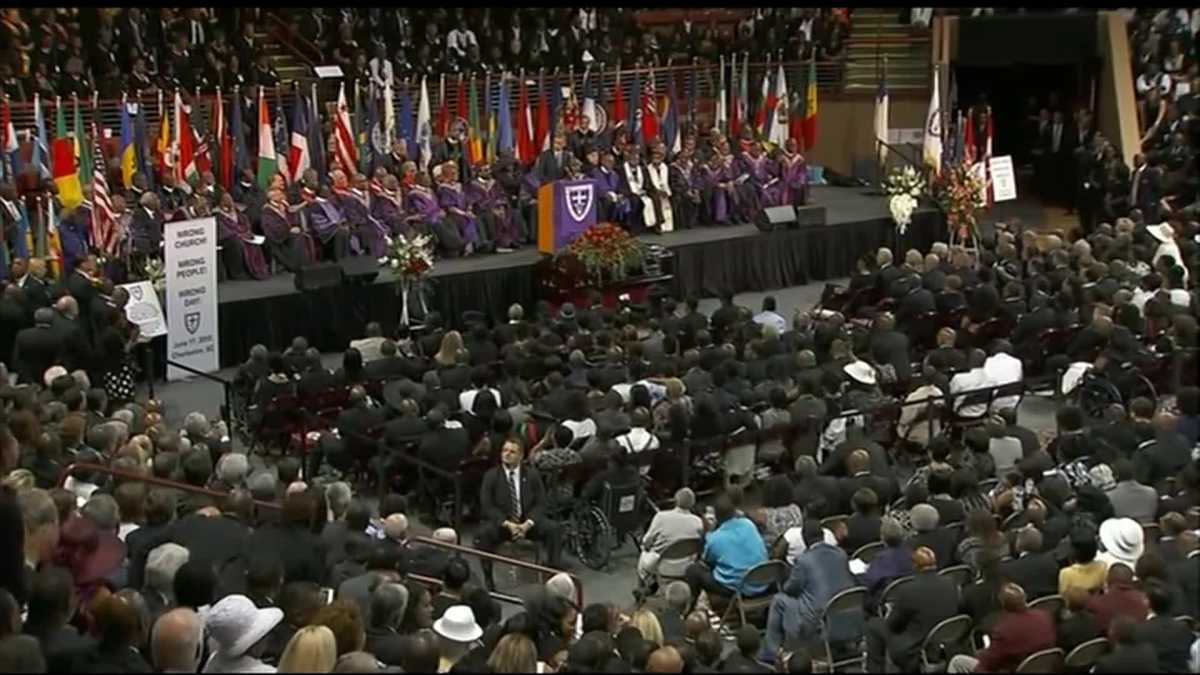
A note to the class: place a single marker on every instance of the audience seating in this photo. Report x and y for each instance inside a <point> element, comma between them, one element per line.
<point>1045,661</point>
<point>1084,656</point>
<point>770,573</point>
<point>867,552</point>
<point>937,647</point>
<point>1051,604</point>
<point>847,601</point>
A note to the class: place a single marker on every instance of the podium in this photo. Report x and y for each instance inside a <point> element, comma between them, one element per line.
<point>565,208</point>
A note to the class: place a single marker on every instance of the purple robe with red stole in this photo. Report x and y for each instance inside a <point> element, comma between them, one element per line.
<point>389,211</point>
<point>793,179</point>
<point>752,191</point>
<point>291,249</point>
<point>489,203</point>
<point>367,233</point>
<point>421,202</point>
<point>233,230</point>
<point>451,196</point>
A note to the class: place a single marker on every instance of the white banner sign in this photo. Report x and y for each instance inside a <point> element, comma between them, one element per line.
<point>191,267</point>
<point>144,311</point>
<point>1004,179</point>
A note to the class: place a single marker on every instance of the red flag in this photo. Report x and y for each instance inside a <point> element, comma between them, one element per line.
<point>618,115</point>
<point>649,111</point>
<point>543,115</point>
<point>443,116</point>
<point>765,104</point>
<point>185,165</point>
<point>462,97</point>
<point>525,147</point>
<point>224,141</point>
<point>969,139</point>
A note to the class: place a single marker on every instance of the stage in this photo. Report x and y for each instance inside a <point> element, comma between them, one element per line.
<point>706,261</point>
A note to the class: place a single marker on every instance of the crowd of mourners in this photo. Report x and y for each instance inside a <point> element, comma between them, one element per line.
<point>285,567</point>
<point>78,51</point>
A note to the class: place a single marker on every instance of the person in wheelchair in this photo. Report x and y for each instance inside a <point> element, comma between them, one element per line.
<point>620,472</point>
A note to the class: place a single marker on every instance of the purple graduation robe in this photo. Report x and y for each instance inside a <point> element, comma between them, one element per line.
<point>718,200</point>
<point>233,232</point>
<point>793,179</point>
<point>390,212</point>
<point>291,249</point>
<point>614,206</point>
<point>451,196</point>
<point>367,233</point>
<point>489,203</point>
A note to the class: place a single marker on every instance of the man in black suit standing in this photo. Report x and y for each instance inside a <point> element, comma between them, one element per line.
<point>37,348</point>
<point>1170,638</point>
<point>917,607</point>
<point>513,507</point>
<point>552,164</point>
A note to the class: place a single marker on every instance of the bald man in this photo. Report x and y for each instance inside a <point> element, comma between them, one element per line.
<point>664,660</point>
<point>1019,632</point>
<point>175,642</point>
<point>916,608</point>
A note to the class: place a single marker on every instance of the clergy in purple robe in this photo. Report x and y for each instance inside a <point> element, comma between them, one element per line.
<point>752,179</point>
<point>793,175</point>
<point>497,219</point>
<point>422,205</point>
<point>717,189</point>
<point>326,222</point>
<point>453,200</point>
<point>367,234</point>
<point>686,185</point>
<point>289,245</point>
<point>387,207</point>
<point>614,206</point>
<point>241,256</point>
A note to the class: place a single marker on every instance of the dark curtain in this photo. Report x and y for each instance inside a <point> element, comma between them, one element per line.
<point>1034,39</point>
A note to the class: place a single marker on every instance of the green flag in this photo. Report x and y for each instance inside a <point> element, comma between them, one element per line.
<point>82,153</point>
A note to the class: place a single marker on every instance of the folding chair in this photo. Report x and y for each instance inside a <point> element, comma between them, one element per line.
<point>678,552</point>
<point>961,575</point>
<point>945,634</point>
<point>849,600</point>
<point>1050,604</point>
<point>867,552</point>
<point>1085,655</point>
<point>890,590</point>
<point>771,574</point>
<point>1045,661</point>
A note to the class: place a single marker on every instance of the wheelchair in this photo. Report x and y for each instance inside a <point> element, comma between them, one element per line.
<point>592,531</point>
<point>1097,390</point>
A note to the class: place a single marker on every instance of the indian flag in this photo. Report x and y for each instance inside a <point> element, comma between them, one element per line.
<point>267,160</point>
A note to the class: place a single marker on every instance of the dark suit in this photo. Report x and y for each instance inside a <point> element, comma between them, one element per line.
<point>37,293</point>
<point>34,350</point>
<point>917,607</point>
<point>301,551</point>
<point>495,507</point>
<point>942,541</point>
<point>1171,641</point>
<point>315,381</point>
<point>893,347</point>
<point>551,165</point>
<point>1139,658</point>
<point>147,231</point>
<point>1037,573</point>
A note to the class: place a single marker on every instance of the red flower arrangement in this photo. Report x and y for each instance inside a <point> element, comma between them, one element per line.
<point>601,253</point>
<point>959,189</point>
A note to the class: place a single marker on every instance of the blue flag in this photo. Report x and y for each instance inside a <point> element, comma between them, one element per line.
<point>241,156</point>
<point>41,144</point>
<point>296,162</point>
<point>21,245</point>
<point>670,124</point>
<point>404,123</point>
<point>316,139</point>
<point>504,125</point>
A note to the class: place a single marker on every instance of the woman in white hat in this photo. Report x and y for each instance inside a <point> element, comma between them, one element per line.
<point>1122,540</point>
<point>457,632</point>
<point>1164,233</point>
<point>237,629</point>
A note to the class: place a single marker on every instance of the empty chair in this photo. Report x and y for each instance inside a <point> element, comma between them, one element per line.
<point>1050,604</point>
<point>770,573</point>
<point>1085,655</point>
<point>846,602</point>
<point>936,648</point>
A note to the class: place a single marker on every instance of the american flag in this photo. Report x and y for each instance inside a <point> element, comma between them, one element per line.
<point>103,223</point>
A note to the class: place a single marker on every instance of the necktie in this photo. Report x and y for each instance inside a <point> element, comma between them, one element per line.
<point>1133,192</point>
<point>513,500</point>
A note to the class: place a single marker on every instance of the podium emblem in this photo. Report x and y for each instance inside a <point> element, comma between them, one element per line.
<point>579,200</point>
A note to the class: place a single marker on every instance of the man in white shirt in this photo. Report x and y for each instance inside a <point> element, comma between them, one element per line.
<point>974,378</point>
<point>668,527</point>
<point>769,317</point>
<point>459,40</point>
<point>1003,368</point>
<point>639,438</point>
<point>381,69</point>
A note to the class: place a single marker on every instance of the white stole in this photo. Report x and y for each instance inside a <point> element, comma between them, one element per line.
<point>659,179</point>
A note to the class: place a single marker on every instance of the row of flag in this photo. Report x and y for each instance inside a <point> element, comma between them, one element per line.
<point>962,146</point>
<point>780,113</point>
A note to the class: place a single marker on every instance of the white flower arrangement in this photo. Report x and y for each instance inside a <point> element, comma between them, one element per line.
<point>904,185</point>
<point>410,258</point>
<point>902,207</point>
<point>155,272</point>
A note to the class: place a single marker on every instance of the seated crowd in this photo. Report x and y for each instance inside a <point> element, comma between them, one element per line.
<point>794,425</point>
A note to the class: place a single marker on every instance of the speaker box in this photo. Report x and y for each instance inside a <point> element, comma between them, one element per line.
<point>318,276</point>
<point>776,218</point>
<point>359,270</point>
<point>813,214</point>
